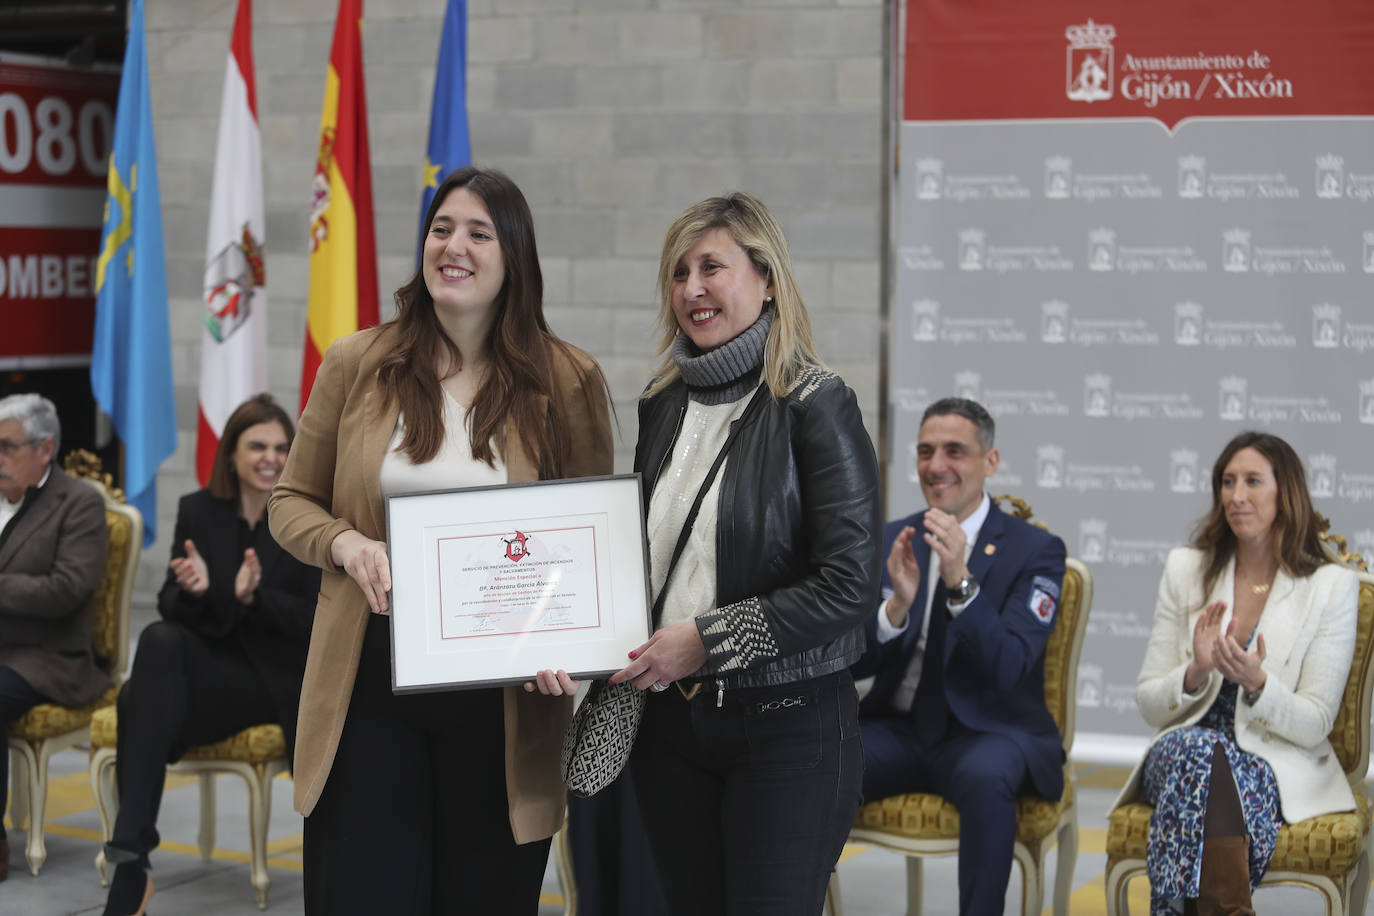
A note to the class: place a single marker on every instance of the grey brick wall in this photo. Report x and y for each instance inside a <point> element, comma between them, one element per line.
<point>612,115</point>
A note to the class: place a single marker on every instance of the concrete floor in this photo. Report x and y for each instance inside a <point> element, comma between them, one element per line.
<point>872,881</point>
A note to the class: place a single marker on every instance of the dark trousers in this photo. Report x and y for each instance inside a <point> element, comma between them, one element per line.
<point>981,774</point>
<point>16,698</point>
<point>414,817</point>
<point>184,690</point>
<point>611,863</point>
<point>748,804</point>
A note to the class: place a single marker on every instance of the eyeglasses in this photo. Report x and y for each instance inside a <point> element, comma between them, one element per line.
<point>8,448</point>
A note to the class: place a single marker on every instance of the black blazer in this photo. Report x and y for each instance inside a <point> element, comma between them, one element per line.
<point>797,532</point>
<point>274,631</point>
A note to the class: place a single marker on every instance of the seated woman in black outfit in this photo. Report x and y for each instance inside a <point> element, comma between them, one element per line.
<point>230,649</point>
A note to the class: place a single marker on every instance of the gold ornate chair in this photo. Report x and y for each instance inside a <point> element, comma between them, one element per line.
<point>256,755</point>
<point>1330,853</point>
<point>48,728</point>
<point>920,825</point>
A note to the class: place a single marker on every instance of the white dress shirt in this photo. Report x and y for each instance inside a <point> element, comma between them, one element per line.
<point>905,694</point>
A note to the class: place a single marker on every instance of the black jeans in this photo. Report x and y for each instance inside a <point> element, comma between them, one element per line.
<point>414,816</point>
<point>16,698</point>
<point>748,803</point>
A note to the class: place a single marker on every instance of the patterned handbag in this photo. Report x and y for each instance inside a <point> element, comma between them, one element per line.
<point>602,732</point>
<point>601,736</point>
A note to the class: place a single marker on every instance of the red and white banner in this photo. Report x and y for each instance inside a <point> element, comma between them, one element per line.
<point>233,364</point>
<point>56,125</point>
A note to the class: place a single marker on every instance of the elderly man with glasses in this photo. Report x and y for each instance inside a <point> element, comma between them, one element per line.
<point>52,552</point>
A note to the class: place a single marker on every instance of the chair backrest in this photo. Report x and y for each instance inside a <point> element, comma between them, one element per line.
<point>1350,732</point>
<point>1066,641</point>
<point>111,603</point>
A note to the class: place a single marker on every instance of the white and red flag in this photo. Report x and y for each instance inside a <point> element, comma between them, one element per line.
<point>233,364</point>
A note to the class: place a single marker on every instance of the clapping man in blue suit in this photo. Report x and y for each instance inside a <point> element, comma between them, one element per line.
<point>957,653</point>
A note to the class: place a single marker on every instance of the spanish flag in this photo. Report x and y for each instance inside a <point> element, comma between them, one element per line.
<point>343,247</point>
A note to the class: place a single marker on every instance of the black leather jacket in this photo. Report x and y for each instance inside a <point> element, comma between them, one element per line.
<point>798,533</point>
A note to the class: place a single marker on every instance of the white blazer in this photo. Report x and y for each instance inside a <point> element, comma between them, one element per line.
<point>1308,626</point>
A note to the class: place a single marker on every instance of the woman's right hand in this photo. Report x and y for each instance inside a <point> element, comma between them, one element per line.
<point>1206,632</point>
<point>190,570</point>
<point>366,561</point>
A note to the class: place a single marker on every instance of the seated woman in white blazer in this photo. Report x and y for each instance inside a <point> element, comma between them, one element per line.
<point>1252,640</point>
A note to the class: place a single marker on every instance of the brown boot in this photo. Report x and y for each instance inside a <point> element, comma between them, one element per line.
<point>1224,889</point>
<point>4,854</point>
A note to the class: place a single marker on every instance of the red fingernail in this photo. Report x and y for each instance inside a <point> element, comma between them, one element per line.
<point>633,654</point>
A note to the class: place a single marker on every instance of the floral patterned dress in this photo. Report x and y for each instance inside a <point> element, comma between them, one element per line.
<point>1178,773</point>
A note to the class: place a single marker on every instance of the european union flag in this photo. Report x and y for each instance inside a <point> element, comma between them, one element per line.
<point>131,357</point>
<point>448,147</point>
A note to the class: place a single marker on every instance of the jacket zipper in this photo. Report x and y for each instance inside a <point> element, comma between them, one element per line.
<point>677,430</point>
<point>720,692</point>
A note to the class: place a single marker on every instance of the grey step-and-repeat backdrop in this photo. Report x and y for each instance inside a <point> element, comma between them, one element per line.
<point>1124,298</point>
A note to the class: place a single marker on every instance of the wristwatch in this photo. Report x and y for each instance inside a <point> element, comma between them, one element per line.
<point>962,592</point>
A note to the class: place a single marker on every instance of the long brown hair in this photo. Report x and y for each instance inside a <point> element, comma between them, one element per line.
<point>789,349</point>
<point>1297,546</point>
<point>260,408</point>
<point>517,393</point>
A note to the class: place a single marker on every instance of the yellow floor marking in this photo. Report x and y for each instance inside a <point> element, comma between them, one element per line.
<point>1103,778</point>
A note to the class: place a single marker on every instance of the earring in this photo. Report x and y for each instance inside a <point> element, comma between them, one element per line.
<point>768,300</point>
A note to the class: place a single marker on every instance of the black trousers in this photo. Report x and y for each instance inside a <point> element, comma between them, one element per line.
<point>414,817</point>
<point>16,698</point>
<point>184,690</point>
<point>981,774</point>
<point>748,803</point>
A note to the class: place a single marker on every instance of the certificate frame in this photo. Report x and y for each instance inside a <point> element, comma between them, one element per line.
<point>492,584</point>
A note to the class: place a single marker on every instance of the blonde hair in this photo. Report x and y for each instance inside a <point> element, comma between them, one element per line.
<point>789,349</point>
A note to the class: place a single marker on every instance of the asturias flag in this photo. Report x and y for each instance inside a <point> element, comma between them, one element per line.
<point>343,248</point>
<point>448,147</point>
<point>233,342</point>
<point>131,356</point>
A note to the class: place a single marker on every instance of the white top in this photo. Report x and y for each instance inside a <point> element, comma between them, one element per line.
<point>905,694</point>
<point>704,431</point>
<point>453,466</point>
<point>9,510</point>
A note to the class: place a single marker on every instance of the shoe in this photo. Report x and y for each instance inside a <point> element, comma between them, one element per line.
<point>130,891</point>
<point>4,857</point>
<point>1224,889</point>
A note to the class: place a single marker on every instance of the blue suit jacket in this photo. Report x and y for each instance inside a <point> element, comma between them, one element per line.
<point>995,648</point>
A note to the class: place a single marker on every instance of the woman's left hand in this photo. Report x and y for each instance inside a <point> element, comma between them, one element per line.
<point>552,683</point>
<point>248,578</point>
<point>671,653</point>
<point>1235,664</point>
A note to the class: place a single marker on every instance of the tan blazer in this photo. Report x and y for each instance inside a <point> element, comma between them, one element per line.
<point>1308,626</point>
<point>331,484</point>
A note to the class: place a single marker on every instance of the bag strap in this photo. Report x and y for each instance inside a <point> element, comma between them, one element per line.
<point>686,531</point>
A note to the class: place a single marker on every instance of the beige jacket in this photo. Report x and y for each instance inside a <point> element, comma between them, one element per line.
<point>331,484</point>
<point>1308,626</point>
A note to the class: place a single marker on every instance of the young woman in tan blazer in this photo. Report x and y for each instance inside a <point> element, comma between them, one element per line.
<point>442,802</point>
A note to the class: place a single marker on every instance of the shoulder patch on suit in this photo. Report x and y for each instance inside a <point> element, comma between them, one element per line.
<point>1044,599</point>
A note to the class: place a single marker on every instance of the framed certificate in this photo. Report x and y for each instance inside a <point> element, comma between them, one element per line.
<point>491,584</point>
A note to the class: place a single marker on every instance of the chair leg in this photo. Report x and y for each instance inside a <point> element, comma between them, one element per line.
<point>36,785</point>
<point>915,885</point>
<point>205,839</point>
<point>19,792</point>
<point>106,803</point>
<point>1032,877</point>
<point>1117,879</point>
<point>1357,896</point>
<point>562,861</point>
<point>259,812</point>
<point>1068,860</point>
<point>833,905</point>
